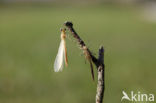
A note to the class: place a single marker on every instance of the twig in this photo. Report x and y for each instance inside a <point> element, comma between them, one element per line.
<point>98,62</point>
<point>101,81</point>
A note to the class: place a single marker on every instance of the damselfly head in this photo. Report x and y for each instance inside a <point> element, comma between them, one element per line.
<point>63,33</point>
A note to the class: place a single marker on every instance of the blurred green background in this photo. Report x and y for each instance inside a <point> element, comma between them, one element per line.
<point>29,41</point>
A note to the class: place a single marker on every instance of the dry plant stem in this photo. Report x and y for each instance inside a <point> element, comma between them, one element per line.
<point>98,62</point>
<point>101,79</point>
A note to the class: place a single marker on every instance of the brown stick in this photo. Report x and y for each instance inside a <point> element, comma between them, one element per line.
<point>98,62</point>
<point>101,81</point>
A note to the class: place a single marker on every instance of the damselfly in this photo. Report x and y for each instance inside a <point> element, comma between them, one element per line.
<point>62,53</point>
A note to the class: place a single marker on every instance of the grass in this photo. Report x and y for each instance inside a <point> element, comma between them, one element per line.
<point>29,39</point>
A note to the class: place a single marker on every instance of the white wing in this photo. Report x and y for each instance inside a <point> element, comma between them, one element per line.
<point>59,61</point>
